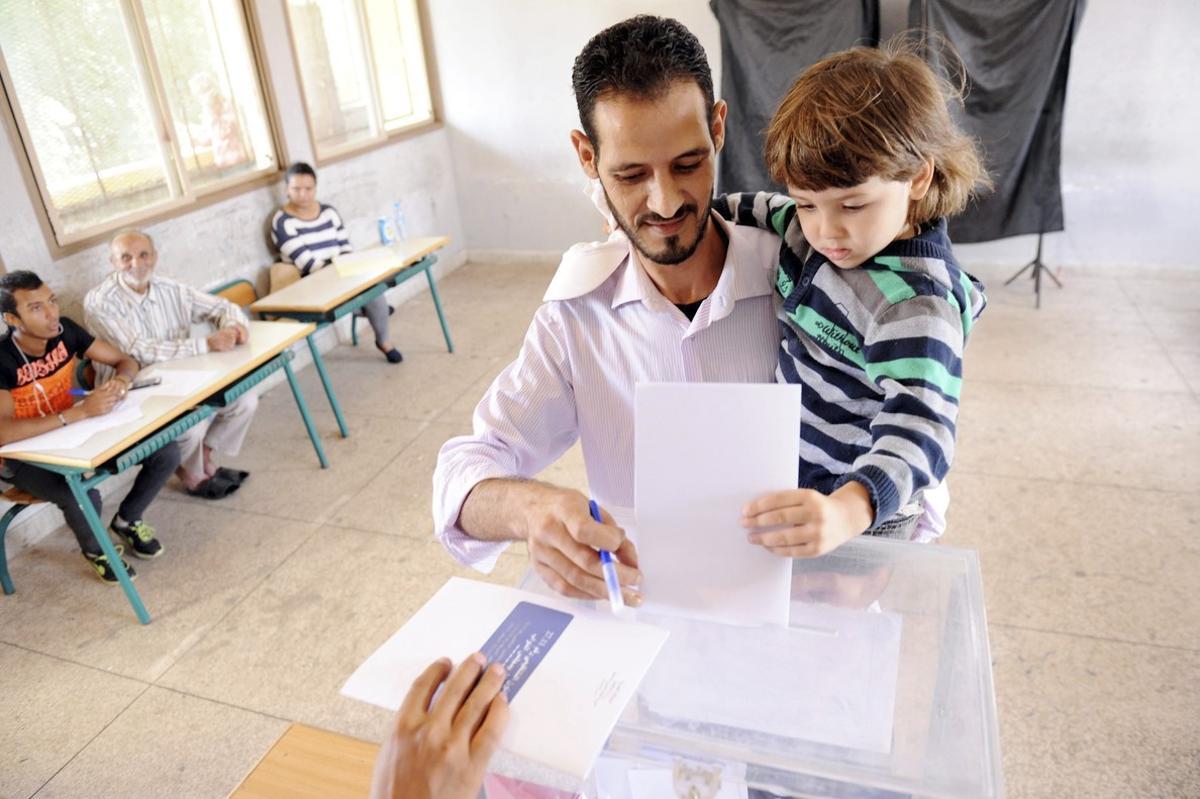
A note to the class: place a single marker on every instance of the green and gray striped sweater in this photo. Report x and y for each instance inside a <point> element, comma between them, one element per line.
<point>879,351</point>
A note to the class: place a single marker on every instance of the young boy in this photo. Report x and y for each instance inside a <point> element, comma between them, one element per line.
<point>876,311</point>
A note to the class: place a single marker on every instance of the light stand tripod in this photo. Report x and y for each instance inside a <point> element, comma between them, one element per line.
<point>1038,267</point>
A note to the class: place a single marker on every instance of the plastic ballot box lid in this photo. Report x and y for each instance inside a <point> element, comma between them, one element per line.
<point>880,686</point>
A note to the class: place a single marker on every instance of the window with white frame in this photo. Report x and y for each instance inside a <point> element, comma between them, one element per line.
<point>127,108</point>
<point>362,69</point>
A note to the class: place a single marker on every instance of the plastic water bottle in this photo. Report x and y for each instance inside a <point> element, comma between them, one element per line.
<point>386,236</point>
<point>398,219</point>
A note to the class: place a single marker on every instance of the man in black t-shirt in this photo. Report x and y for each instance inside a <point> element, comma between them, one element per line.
<point>38,355</point>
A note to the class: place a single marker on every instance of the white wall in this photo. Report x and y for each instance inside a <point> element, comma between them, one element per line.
<point>1131,173</point>
<point>1129,169</point>
<point>505,76</point>
<point>229,239</point>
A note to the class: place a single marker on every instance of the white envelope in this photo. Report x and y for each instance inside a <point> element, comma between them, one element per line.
<point>565,711</point>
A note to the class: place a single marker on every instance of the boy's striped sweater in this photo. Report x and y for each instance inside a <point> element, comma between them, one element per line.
<point>878,349</point>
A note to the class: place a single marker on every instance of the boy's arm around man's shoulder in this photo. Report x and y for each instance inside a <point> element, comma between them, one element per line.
<point>766,210</point>
<point>775,213</point>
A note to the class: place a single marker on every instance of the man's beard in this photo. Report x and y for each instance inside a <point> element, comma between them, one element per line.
<point>137,285</point>
<point>675,250</point>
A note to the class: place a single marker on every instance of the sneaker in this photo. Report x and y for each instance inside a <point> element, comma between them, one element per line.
<point>139,536</point>
<point>104,569</point>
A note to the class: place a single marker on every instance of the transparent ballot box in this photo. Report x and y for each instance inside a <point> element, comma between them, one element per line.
<point>881,686</point>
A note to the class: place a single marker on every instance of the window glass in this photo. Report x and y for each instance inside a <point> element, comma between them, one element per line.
<point>217,110</point>
<point>128,107</point>
<point>82,96</point>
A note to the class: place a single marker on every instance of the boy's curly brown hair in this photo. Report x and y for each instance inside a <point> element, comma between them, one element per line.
<point>871,112</point>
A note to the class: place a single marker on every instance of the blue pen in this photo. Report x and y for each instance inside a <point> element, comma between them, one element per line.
<point>609,567</point>
<point>78,392</point>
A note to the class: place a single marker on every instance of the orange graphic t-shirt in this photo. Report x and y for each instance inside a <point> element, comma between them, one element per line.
<point>42,386</point>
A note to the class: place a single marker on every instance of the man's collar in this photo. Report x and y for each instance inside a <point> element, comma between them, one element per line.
<point>741,276</point>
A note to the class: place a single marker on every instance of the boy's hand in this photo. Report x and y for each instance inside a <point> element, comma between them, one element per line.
<point>810,523</point>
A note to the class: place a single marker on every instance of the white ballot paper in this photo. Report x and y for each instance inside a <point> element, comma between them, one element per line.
<point>571,669</point>
<point>701,452</point>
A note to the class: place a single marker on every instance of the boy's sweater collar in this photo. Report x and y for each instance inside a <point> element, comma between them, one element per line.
<point>931,241</point>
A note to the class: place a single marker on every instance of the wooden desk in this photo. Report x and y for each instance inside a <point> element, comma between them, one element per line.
<point>327,295</point>
<point>307,763</point>
<point>164,418</point>
<point>267,341</point>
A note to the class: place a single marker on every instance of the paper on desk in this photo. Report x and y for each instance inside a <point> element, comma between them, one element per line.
<point>830,678</point>
<point>568,704</point>
<point>76,433</point>
<point>375,259</point>
<point>702,451</point>
<point>175,382</point>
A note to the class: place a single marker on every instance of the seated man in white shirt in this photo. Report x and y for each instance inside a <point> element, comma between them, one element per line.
<point>151,317</point>
<point>687,297</point>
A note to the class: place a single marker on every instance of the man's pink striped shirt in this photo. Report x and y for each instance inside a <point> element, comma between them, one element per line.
<point>575,376</point>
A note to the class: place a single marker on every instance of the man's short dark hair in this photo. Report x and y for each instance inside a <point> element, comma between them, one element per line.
<point>642,56</point>
<point>299,168</point>
<point>21,280</point>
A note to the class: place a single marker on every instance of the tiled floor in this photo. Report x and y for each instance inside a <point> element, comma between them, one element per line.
<point>1077,479</point>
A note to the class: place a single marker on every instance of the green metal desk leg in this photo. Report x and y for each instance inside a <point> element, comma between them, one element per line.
<point>89,512</point>
<point>302,406</point>
<point>333,403</point>
<point>437,303</point>
<point>9,515</point>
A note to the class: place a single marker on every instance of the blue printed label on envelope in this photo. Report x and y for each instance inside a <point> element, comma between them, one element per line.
<point>522,641</point>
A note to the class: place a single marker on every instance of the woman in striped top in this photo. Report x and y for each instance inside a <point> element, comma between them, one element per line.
<point>309,234</point>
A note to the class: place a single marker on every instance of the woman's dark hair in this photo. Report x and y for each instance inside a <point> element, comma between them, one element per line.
<point>299,168</point>
<point>21,280</point>
<point>642,56</point>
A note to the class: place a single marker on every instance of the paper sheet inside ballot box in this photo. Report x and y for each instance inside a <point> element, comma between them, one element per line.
<point>830,678</point>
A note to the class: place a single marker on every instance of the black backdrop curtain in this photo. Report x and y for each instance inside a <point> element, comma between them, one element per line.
<point>1016,54</point>
<point>765,45</point>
